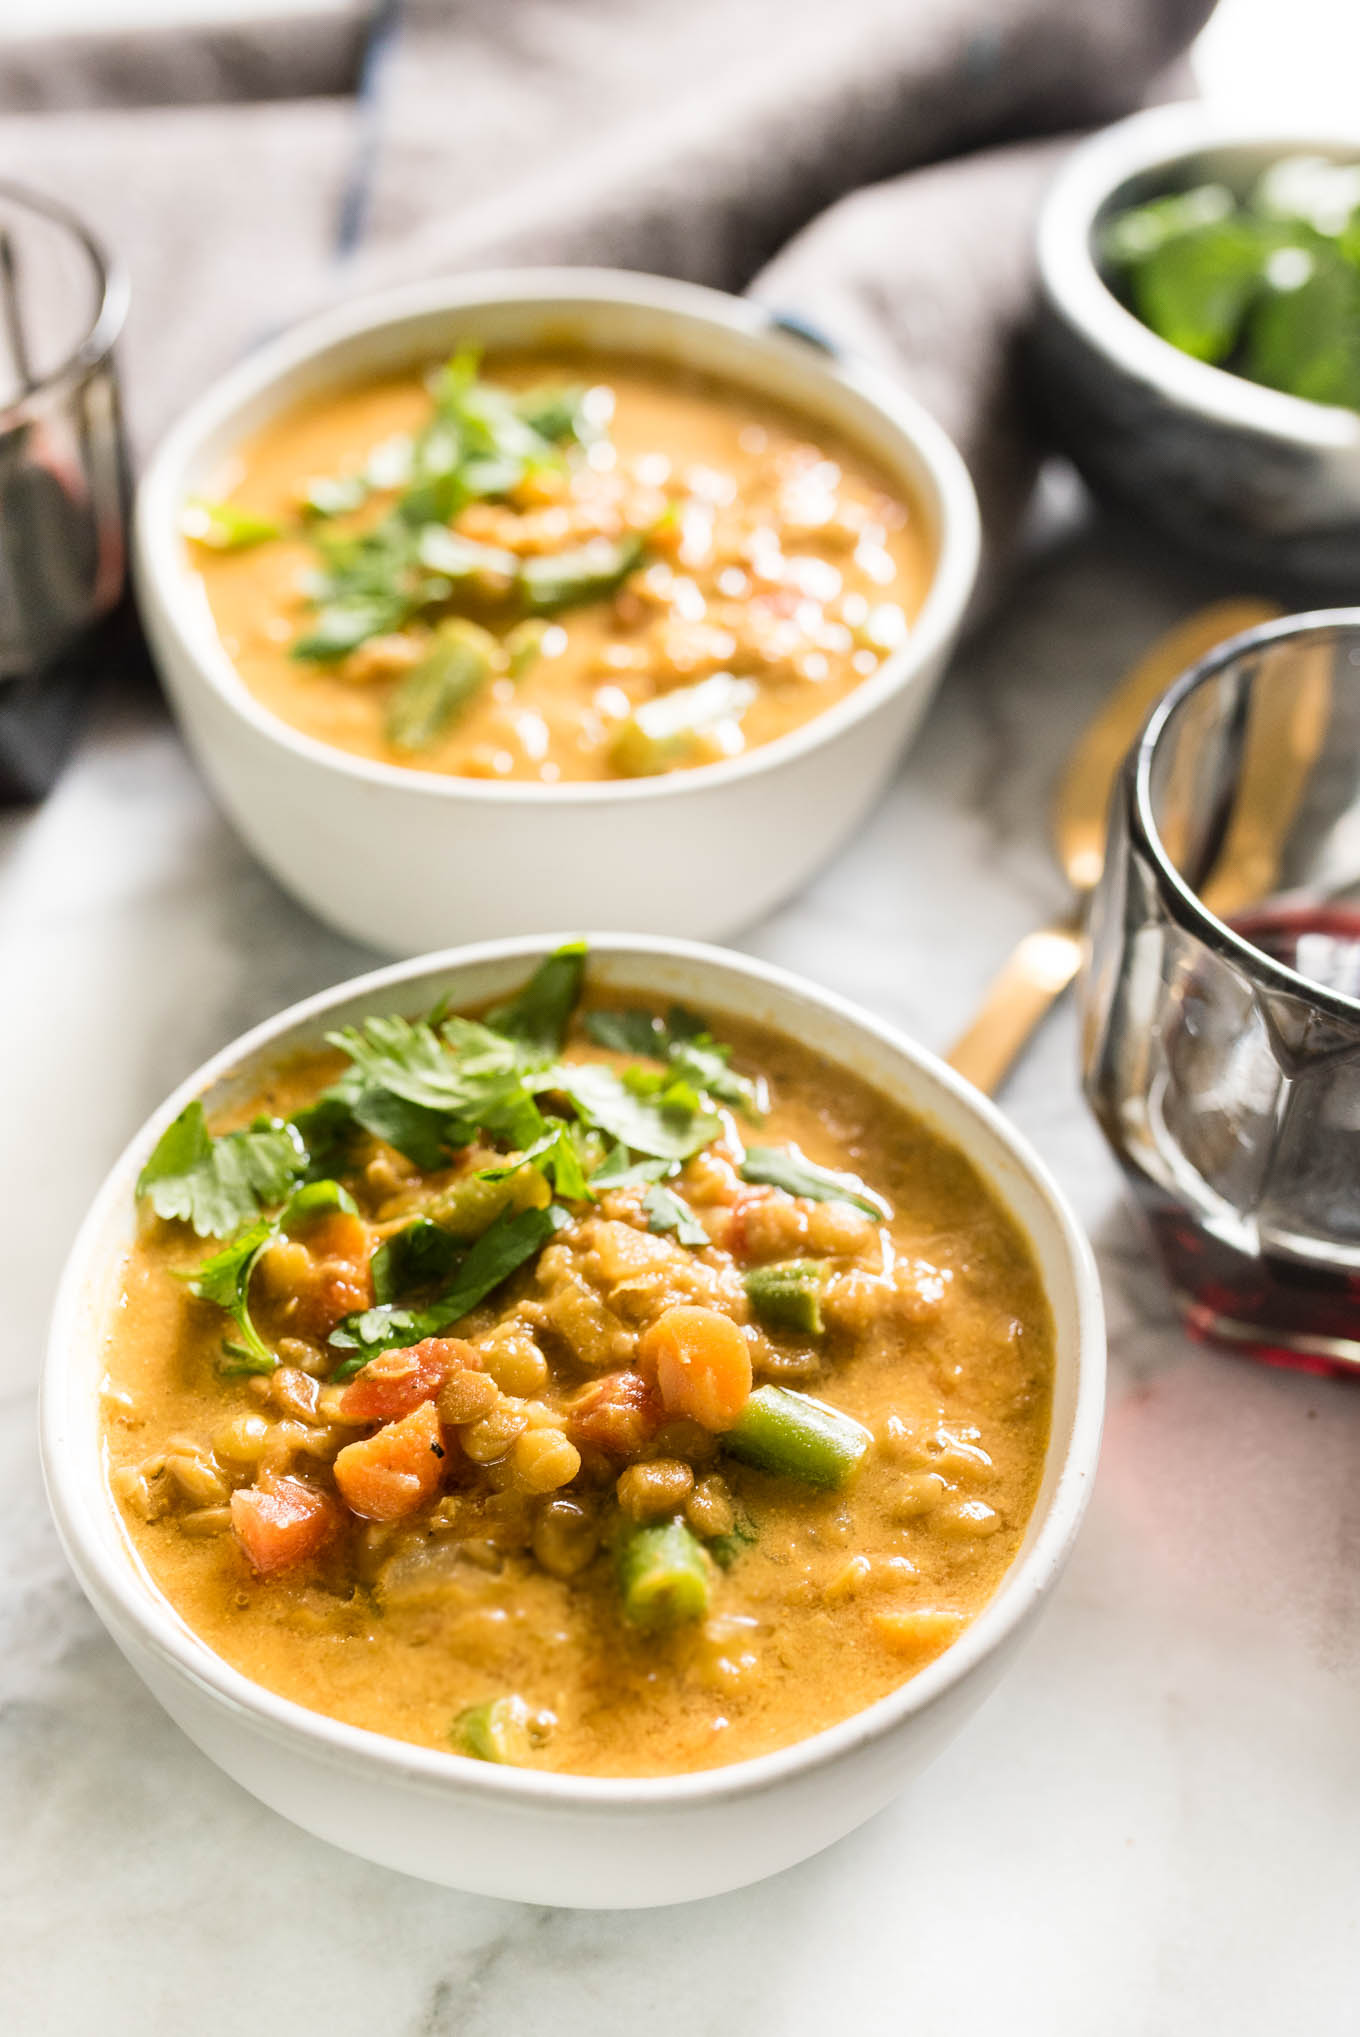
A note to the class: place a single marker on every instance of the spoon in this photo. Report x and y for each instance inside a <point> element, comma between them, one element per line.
<point>1046,960</point>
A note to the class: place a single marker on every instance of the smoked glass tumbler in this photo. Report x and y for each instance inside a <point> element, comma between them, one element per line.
<point>1221,998</point>
<point>63,481</point>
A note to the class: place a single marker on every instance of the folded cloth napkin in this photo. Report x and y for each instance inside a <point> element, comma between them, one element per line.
<point>874,164</point>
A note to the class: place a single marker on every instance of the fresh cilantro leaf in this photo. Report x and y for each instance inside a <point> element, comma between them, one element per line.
<point>619,1170</point>
<point>556,1156</point>
<point>667,1212</point>
<point>785,1167</point>
<point>628,1032</point>
<point>683,1040</point>
<point>224,1279</point>
<point>499,1252</point>
<point>336,495</point>
<point>556,412</point>
<point>665,1125</point>
<point>468,1076</point>
<point>413,1258</point>
<point>541,1013</point>
<point>219,1184</point>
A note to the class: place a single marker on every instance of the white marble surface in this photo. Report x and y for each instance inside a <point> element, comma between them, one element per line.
<point>1150,1829</point>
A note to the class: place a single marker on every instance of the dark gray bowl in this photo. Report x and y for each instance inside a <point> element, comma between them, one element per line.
<point>1248,476</point>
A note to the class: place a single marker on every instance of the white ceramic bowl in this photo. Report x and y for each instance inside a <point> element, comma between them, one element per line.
<point>410,860</point>
<point>574,1840</point>
<point>1245,474</point>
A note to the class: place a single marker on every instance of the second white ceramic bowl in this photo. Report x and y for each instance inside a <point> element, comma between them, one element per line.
<point>579,1841</point>
<point>410,860</point>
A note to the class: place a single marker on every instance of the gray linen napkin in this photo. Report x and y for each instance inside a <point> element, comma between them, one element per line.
<point>720,141</point>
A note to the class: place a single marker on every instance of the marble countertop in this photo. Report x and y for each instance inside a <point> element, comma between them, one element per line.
<point>1150,1828</point>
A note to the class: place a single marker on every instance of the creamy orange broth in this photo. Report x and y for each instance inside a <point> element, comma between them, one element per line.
<point>773,553</point>
<point>938,1338</point>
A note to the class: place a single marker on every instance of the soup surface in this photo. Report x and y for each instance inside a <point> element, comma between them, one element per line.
<point>573,1390</point>
<point>567,568</point>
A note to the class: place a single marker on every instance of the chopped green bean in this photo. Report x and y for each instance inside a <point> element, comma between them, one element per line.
<point>670,729</point>
<point>563,579</point>
<point>222,527</point>
<point>433,692</point>
<point>789,1296</point>
<point>495,1731</point>
<point>794,1436</point>
<point>663,1577</point>
<point>523,646</point>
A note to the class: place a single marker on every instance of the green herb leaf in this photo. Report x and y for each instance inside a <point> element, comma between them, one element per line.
<point>666,1125</point>
<point>683,1040</point>
<point>1303,335</point>
<point>556,1157</point>
<point>541,1013</point>
<point>785,1167</point>
<point>666,1212</point>
<point>342,625</point>
<point>223,527</point>
<point>554,411</point>
<point>477,1087</point>
<point>498,1253</point>
<point>224,1279</point>
<point>219,1184</point>
<point>618,1170</point>
<point>338,495</point>
<point>417,1257</point>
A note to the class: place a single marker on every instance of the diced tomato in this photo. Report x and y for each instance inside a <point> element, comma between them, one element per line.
<point>393,1472</point>
<point>282,1522</point>
<point>618,1414</point>
<point>735,1231</point>
<point>397,1381</point>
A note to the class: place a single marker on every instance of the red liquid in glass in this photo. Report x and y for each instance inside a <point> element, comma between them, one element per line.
<point>1287,1311</point>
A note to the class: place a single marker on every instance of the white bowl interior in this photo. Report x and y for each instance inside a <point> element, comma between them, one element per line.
<point>717,982</point>
<point>728,338</point>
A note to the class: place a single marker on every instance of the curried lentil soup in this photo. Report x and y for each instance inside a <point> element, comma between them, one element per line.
<point>574,1390</point>
<point>569,568</point>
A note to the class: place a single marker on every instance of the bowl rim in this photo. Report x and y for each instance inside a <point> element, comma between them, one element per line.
<point>162,580</point>
<point>1161,137</point>
<point>112,1580</point>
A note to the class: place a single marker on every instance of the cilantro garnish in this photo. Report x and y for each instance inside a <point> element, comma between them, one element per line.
<point>219,1184</point>
<point>501,1249</point>
<point>541,1013</point>
<point>666,1211</point>
<point>225,1277</point>
<point>785,1167</point>
<point>683,1040</point>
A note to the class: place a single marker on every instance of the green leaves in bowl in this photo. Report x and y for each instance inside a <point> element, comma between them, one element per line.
<point>1266,286</point>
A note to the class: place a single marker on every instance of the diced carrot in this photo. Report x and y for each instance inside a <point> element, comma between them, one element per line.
<point>701,1363</point>
<point>397,1381</point>
<point>391,1473</point>
<point>339,1234</point>
<point>281,1522</point>
<point>618,1414</point>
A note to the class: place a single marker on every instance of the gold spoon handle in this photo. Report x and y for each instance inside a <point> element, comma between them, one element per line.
<point>1038,972</point>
